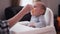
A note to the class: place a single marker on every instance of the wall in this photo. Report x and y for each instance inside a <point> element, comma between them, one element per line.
<point>58,1</point>
<point>3,5</point>
<point>25,2</point>
<point>53,4</point>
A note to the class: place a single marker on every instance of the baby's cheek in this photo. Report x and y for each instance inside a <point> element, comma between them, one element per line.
<point>41,12</point>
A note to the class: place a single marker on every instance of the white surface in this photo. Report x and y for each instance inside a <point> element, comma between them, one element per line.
<point>25,2</point>
<point>24,22</point>
<point>45,30</point>
<point>21,28</point>
<point>49,17</point>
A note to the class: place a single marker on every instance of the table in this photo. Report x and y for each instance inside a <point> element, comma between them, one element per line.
<point>19,28</point>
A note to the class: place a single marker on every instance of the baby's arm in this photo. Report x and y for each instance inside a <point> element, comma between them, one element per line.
<point>41,23</point>
<point>32,22</point>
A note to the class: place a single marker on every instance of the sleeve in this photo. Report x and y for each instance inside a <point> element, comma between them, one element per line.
<point>33,19</point>
<point>4,27</point>
<point>41,23</point>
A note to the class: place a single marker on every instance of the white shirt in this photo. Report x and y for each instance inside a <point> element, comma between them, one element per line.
<point>40,21</point>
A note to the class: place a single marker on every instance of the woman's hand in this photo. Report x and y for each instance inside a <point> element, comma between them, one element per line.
<point>27,8</point>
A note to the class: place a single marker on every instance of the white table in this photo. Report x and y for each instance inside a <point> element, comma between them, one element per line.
<point>21,29</point>
<point>18,28</point>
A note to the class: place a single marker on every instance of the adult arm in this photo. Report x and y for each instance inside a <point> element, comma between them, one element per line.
<point>19,16</point>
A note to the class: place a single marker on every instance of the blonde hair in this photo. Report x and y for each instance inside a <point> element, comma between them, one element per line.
<point>41,4</point>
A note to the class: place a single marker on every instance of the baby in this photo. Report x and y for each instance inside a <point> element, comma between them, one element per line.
<point>37,19</point>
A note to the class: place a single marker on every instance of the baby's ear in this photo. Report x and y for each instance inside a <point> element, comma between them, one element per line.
<point>44,12</point>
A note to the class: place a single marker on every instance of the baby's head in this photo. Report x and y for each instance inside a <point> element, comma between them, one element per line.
<point>39,9</point>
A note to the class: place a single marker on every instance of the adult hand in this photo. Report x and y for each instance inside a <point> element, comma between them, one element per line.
<point>27,8</point>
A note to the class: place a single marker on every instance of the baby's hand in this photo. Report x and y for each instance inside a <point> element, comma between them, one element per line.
<point>32,25</point>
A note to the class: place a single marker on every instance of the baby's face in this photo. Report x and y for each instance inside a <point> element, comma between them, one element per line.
<point>37,11</point>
